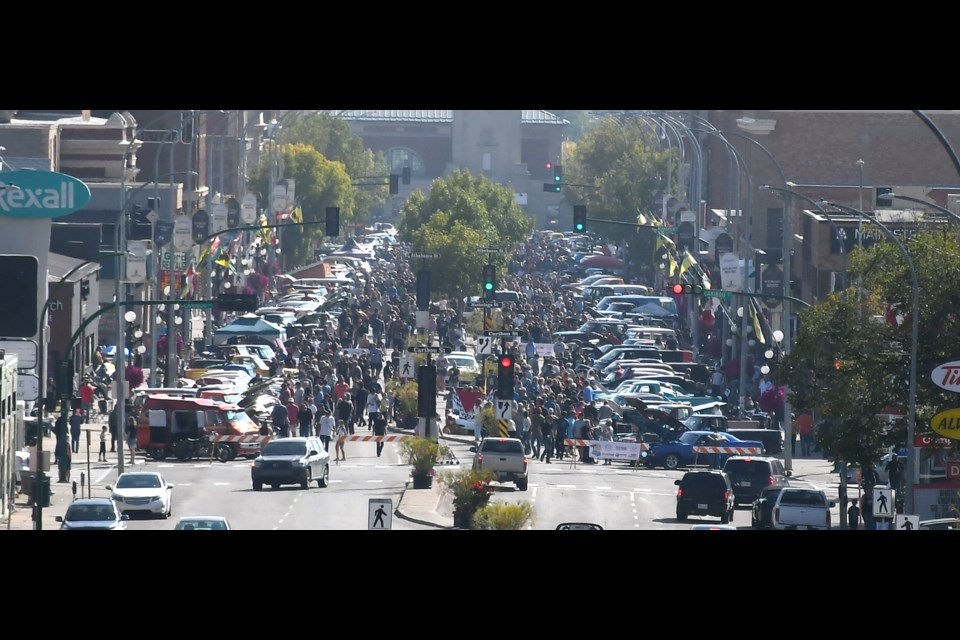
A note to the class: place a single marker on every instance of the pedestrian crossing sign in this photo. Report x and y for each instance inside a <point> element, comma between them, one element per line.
<point>883,506</point>
<point>381,514</point>
<point>907,523</point>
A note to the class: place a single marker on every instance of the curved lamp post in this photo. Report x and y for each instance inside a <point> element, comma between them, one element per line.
<point>914,333</point>
<point>943,210</point>
<point>42,374</point>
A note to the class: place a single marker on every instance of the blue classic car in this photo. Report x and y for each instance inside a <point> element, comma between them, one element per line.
<point>682,452</point>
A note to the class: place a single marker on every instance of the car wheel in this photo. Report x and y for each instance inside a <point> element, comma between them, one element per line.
<point>305,483</point>
<point>522,484</point>
<point>671,461</point>
<point>224,453</point>
<point>681,516</point>
<point>169,511</point>
<point>158,453</point>
<point>258,486</point>
<point>725,516</point>
<point>274,486</point>
<point>753,521</point>
<point>324,479</point>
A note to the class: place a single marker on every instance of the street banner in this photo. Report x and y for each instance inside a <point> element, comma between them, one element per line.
<point>612,450</point>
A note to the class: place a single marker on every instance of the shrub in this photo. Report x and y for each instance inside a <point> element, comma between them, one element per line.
<point>421,453</point>
<point>500,516</point>
<point>470,488</point>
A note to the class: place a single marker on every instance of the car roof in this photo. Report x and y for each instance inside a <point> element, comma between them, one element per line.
<point>750,458</point>
<point>193,518</point>
<point>92,501</point>
<point>140,473</point>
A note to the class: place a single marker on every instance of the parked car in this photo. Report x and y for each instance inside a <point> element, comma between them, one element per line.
<point>713,527</point>
<point>751,474</point>
<point>202,523</point>
<point>291,461</point>
<point>682,452</point>
<point>940,524</point>
<point>467,364</point>
<point>93,513</point>
<point>143,491</point>
<point>761,515</point>
<point>706,492</point>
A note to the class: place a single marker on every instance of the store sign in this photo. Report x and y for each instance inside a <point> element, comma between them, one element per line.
<point>41,194</point>
<point>947,423</point>
<point>947,376</point>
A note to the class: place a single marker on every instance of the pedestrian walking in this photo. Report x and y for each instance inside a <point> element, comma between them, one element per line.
<point>345,411</point>
<point>341,436</point>
<point>379,421</point>
<point>279,418</point>
<point>102,456</point>
<point>327,427</point>
<point>87,392</point>
<point>546,430</point>
<point>132,436</point>
<point>805,429</point>
<point>76,425</point>
<point>305,419</point>
<point>606,435</point>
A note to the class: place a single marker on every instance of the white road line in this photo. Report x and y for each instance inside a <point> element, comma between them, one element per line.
<point>603,488</point>
<point>336,480</point>
<point>376,481</point>
<point>564,486</point>
<point>221,484</point>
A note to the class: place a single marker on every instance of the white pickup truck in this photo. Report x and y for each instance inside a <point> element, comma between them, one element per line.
<point>802,508</point>
<point>504,457</point>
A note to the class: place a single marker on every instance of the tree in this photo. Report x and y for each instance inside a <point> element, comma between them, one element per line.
<point>851,365</point>
<point>624,168</point>
<point>461,213</point>
<point>330,134</point>
<point>320,183</point>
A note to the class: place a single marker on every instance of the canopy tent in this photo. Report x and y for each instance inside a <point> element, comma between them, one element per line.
<point>608,262</point>
<point>249,325</point>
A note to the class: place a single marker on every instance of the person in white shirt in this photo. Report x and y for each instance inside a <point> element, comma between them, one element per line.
<point>327,425</point>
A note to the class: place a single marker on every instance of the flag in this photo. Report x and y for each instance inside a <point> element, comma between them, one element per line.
<point>224,260</point>
<point>641,219</point>
<point>211,250</point>
<point>673,266</point>
<point>296,215</point>
<point>757,329</point>
<point>664,241</point>
<point>191,277</point>
<point>687,262</point>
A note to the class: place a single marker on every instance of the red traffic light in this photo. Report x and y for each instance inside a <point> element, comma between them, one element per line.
<point>549,165</point>
<point>506,362</point>
<point>678,288</point>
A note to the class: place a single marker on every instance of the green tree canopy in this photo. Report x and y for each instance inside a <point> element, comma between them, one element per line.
<point>320,183</point>
<point>461,213</point>
<point>623,167</point>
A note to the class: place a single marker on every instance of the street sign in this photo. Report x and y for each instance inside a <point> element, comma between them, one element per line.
<point>485,304</point>
<point>947,423</point>
<point>162,232</point>
<point>504,334</point>
<point>424,255</point>
<point>233,213</point>
<point>25,350</point>
<point>953,470</point>
<point>504,409</point>
<point>136,261</point>
<point>772,286</point>
<point>882,502</point>
<point>907,523</point>
<point>713,293</point>
<point>218,218</point>
<point>490,250</point>
<point>407,368</point>
<point>248,208</point>
<point>182,233</point>
<point>380,514</point>
<point>200,226</point>
<point>28,387</point>
<point>484,346</point>
<point>202,304</point>
<point>429,349</point>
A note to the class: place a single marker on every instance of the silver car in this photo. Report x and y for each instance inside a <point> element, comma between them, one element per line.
<point>93,513</point>
<point>145,491</point>
<point>291,461</point>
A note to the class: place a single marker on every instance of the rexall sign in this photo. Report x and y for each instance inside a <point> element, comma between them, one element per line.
<point>41,194</point>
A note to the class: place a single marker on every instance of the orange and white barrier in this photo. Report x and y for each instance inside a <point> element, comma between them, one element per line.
<point>741,451</point>
<point>374,438</point>
<point>574,442</point>
<point>243,439</point>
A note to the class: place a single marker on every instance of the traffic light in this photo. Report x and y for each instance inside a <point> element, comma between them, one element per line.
<point>333,222</point>
<point>238,302</point>
<point>550,187</point>
<point>426,391</point>
<point>423,290</point>
<point>489,281</point>
<point>405,176</point>
<point>687,288</point>
<point>19,318</point>
<point>579,218</point>
<point>557,174</point>
<point>554,185</point>
<point>394,184</point>
<point>884,197</point>
<point>505,377</point>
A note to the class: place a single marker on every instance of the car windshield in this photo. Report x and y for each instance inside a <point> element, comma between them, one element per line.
<point>90,513</point>
<point>803,498</point>
<point>284,448</point>
<point>463,362</point>
<point>138,481</point>
<point>209,525</point>
<point>691,437</point>
<point>491,445</point>
<point>747,467</point>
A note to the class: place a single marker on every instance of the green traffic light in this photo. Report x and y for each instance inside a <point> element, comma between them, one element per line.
<point>579,227</point>
<point>488,286</point>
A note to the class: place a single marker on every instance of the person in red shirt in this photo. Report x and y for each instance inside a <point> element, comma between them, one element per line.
<point>340,388</point>
<point>293,415</point>
<point>87,392</point>
<point>805,430</point>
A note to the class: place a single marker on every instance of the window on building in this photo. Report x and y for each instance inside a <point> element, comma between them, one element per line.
<point>400,157</point>
<point>487,161</point>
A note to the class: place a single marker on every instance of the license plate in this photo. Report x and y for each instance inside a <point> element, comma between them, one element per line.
<point>745,483</point>
<point>702,506</point>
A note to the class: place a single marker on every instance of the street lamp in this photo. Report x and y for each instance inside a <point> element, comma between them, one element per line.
<point>40,484</point>
<point>943,210</point>
<point>914,335</point>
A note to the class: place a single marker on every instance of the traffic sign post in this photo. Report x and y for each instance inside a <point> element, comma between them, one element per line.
<point>425,256</point>
<point>883,502</point>
<point>484,346</point>
<point>380,514</point>
<point>485,304</point>
<point>907,523</point>
<point>725,295</point>
<point>490,250</point>
<point>504,409</point>
<point>503,334</point>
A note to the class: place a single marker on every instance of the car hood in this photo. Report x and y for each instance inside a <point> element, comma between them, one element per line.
<point>92,524</point>
<point>281,458</point>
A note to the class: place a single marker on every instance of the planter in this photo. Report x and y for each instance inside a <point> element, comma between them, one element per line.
<point>461,519</point>
<point>422,481</point>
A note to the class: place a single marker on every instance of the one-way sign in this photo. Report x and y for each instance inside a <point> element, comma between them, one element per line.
<point>503,334</point>
<point>429,349</point>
